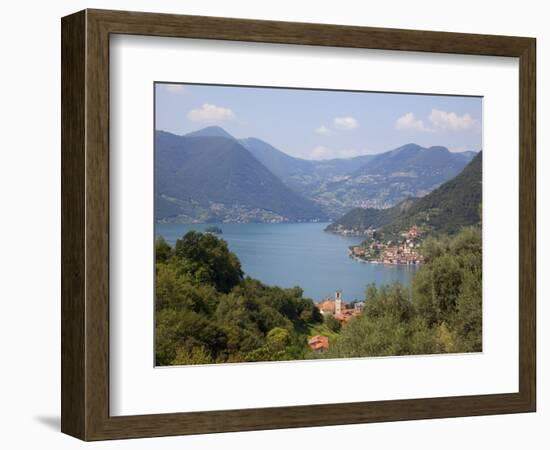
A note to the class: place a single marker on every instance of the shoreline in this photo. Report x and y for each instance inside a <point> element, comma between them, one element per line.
<point>365,261</point>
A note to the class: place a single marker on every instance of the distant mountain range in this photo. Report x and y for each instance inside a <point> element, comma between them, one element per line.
<point>208,175</point>
<point>453,205</point>
<point>301,171</point>
<point>390,177</point>
<point>378,181</point>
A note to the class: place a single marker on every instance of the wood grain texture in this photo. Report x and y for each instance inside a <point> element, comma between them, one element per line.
<point>73,108</point>
<point>527,224</point>
<point>85,224</point>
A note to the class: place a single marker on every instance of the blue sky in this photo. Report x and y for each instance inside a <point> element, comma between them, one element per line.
<point>317,124</point>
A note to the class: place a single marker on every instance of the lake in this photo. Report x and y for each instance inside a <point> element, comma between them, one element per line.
<point>298,254</point>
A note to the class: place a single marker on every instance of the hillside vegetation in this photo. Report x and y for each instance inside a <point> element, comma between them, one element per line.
<point>453,205</point>
<point>442,313</point>
<point>214,178</point>
<point>208,312</point>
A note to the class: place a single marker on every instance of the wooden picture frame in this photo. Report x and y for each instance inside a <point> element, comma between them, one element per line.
<point>85,224</point>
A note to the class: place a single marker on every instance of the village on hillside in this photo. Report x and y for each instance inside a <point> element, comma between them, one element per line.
<point>404,251</point>
<point>341,311</point>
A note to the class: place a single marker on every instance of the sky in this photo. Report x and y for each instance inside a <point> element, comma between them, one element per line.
<point>322,124</point>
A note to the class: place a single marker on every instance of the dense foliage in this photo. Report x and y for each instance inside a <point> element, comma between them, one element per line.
<point>441,313</point>
<point>207,312</point>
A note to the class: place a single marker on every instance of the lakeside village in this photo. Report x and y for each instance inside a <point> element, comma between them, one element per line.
<point>406,251</point>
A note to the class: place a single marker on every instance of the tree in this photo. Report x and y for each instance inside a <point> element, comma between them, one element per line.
<point>210,260</point>
<point>206,311</point>
<point>468,319</point>
<point>185,329</point>
<point>177,291</point>
<point>443,314</point>
<point>275,347</point>
<point>195,355</point>
<point>278,339</point>
<point>163,251</point>
<point>332,323</point>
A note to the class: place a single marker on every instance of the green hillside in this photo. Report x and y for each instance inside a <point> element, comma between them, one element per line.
<point>455,204</point>
<point>447,209</point>
<point>213,178</point>
<point>360,219</point>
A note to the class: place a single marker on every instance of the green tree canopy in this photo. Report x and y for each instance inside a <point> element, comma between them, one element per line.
<point>210,261</point>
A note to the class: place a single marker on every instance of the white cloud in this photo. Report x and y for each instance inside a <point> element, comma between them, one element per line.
<point>324,131</point>
<point>210,113</point>
<point>443,120</point>
<point>346,123</point>
<point>321,152</point>
<point>174,88</point>
<point>439,121</point>
<point>410,122</point>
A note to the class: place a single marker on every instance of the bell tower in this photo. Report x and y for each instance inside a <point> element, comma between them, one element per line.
<point>338,302</point>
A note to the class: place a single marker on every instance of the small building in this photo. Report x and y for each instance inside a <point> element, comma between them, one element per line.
<point>332,307</point>
<point>413,232</point>
<point>318,342</point>
<point>346,315</point>
<point>338,309</point>
<point>326,307</point>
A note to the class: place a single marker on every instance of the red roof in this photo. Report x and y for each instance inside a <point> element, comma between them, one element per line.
<point>327,306</point>
<point>318,342</point>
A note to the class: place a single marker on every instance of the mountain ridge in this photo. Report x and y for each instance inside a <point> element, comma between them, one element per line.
<point>214,178</point>
<point>337,186</point>
<point>447,209</point>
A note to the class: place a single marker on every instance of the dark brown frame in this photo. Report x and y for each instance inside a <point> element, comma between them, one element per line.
<point>85,224</point>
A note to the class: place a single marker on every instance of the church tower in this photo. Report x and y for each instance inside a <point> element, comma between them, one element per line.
<point>338,302</point>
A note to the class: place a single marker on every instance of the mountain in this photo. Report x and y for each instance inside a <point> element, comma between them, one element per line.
<point>334,186</point>
<point>391,177</point>
<point>467,155</point>
<point>368,181</point>
<point>341,166</point>
<point>447,209</point>
<point>284,166</point>
<point>455,204</point>
<point>412,160</point>
<point>313,179</point>
<point>290,169</point>
<point>213,131</point>
<point>207,176</point>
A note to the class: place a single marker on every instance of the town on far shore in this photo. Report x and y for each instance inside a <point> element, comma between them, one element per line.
<point>405,250</point>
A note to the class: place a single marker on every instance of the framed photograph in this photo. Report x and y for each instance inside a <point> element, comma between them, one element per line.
<point>272,225</point>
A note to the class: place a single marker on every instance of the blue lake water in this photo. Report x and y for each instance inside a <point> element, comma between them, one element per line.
<point>298,254</point>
